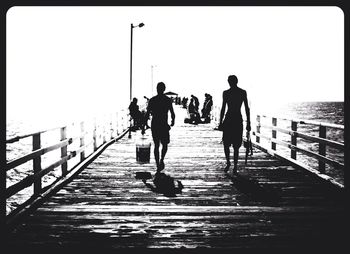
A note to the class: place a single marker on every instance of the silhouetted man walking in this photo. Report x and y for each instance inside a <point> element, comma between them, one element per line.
<point>158,107</point>
<point>232,126</point>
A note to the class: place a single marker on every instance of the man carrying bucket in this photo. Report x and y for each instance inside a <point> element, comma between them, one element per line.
<point>158,107</point>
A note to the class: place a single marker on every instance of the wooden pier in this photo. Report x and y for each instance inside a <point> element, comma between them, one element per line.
<point>269,204</point>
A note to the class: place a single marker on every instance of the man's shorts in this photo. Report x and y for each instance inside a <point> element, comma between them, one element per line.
<point>232,133</point>
<point>161,134</point>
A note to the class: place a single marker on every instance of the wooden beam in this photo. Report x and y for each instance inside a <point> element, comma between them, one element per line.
<point>64,165</point>
<point>322,149</point>
<point>26,182</point>
<point>82,140</point>
<point>310,122</point>
<point>293,153</point>
<point>296,148</point>
<point>274,133</point>
<point>94,135</point>
<point>37,163</point>
<point>257,128</point>
<point>37,153</point>
<point>17,138</point>
<point>328,142</point>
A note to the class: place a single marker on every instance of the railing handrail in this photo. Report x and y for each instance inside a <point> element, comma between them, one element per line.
<point>335,144</point>
<point>71,123</point>
<point>303,121</point>
<point>102,132</point>
<point>19,137</point>
<point>322,141</point>
<point>293,147</point>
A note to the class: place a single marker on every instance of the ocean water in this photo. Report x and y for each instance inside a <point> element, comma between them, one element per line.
<point>327,112</point>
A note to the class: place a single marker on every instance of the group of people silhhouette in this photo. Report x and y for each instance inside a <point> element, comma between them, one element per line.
<point>230,123</point>
<point>193,110</point>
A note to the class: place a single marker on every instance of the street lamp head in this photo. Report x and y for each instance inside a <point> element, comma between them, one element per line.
<point>141,24</point>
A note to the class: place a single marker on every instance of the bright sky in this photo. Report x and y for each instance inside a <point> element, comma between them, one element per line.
<point>70,61</point>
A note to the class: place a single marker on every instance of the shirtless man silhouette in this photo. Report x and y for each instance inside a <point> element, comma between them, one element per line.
<point>232,126</point>
<point>158,107</point>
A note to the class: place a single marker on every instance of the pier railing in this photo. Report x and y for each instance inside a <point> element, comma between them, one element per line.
<point>315,146</point>
<point>318,144</point>
<point>64,148</point>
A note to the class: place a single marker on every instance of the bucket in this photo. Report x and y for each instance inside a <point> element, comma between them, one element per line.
<point>143,151</point>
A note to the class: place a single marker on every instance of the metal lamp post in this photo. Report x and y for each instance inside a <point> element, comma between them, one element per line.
<point>131,29</point>
<point>152,67</point>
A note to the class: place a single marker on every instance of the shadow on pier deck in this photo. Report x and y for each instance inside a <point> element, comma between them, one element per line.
<point>270,204</point>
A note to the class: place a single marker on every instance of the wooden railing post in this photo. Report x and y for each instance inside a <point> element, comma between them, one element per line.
<point>258,128</point>
<point>274,133</point>
<point>104,131</point>
<point>64,150</point>
<point>82,140</point>
<point>129,136</point>
<point>117,123</point>
<point>293,153</point>
<point>111,126</point>
<point>94,137</point>
<point>322,148</point>
<point>37,164</point>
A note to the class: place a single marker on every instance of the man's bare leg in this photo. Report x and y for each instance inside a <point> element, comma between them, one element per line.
<point>235,159</point>
<point>227,156</point>
<point>156,154</point>
<point>164,151</point>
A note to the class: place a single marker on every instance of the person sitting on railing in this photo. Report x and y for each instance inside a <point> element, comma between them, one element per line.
<point>232,126</point>
<point>135,114</point>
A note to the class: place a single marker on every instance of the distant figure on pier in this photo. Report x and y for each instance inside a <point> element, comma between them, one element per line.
<point>196,102</point>
<point>135,113</point>
<point>194,116</point>
<point>207,105</point>
<point>184,102</point>
<point>232,126</point>
<point>158,107</point>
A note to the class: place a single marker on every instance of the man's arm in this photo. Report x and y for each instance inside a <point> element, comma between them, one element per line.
<point>247,111</point>
<point>172,114</point>
<point>223,108</point>
<point>148,110</point>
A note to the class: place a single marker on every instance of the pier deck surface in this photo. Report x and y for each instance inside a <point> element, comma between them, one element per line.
<point>269,204</point>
